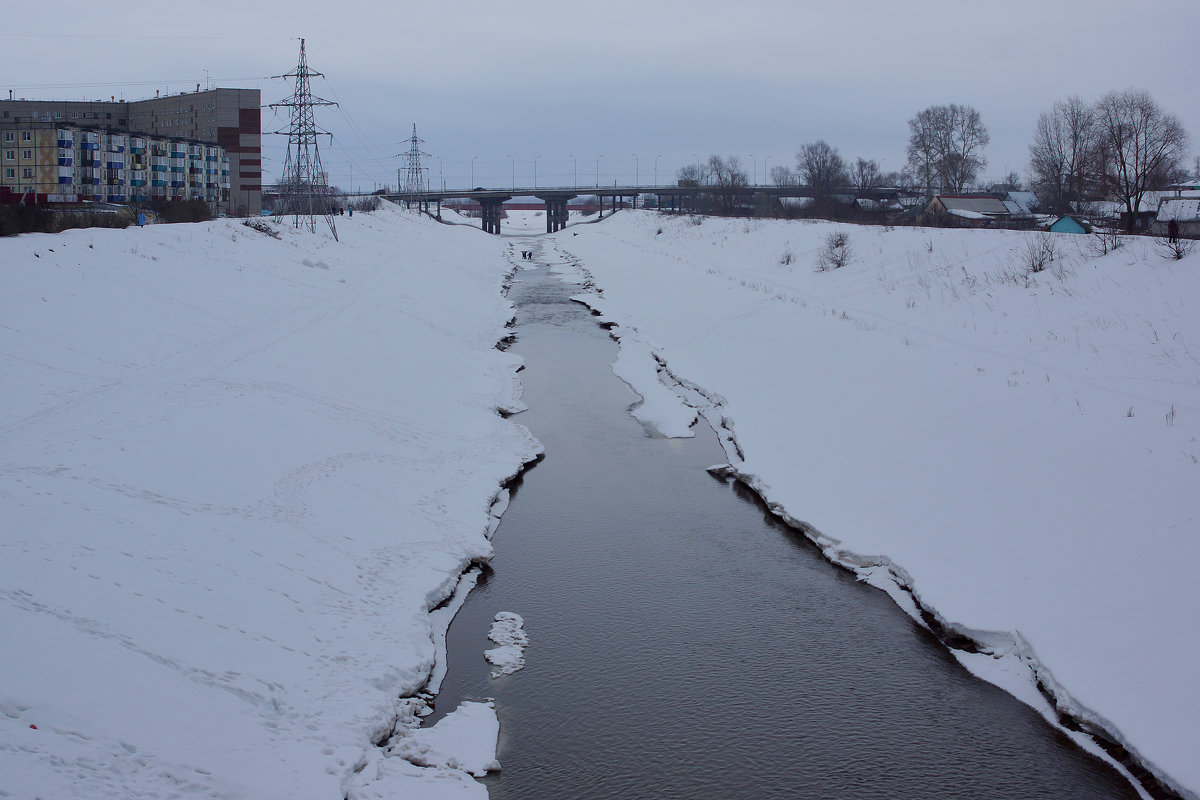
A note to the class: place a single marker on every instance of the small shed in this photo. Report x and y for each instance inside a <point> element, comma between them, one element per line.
<point>1183,211</point>
<point>1070,224</point>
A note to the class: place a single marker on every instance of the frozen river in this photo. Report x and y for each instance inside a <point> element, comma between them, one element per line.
<point>683,643</point>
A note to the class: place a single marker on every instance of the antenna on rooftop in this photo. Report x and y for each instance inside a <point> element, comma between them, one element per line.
<point>304,188</point>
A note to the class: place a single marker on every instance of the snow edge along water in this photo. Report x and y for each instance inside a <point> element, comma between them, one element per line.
<point>1002,658</point>
<point>395,737</point>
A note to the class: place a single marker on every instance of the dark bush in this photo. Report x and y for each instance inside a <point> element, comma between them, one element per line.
<point>44,219</point>
<point>181,210</point>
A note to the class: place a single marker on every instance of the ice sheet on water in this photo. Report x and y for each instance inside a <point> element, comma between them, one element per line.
<point>508,632</point>
<point>465,739</point>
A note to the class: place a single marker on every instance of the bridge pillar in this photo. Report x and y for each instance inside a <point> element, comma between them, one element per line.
<point>556,213</point>
<point>490,213</point>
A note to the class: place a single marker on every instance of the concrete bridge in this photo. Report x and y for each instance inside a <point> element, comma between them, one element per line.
<point>674,197</point>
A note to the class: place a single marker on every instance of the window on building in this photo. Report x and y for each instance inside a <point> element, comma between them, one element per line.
<point>26,136</point>
<point>27,172</point>
<point>26,154</point>
<point>10,136</point>
<point>10,173</point>
<point>11,155</point>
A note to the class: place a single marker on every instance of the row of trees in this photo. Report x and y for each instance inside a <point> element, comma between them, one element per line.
<point>725,178</point>
<point>1123,145</point>
<point>1120,146</point>
<point>821,167</point>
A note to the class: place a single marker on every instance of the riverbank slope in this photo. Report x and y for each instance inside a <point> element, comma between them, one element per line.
<point>237,473</point>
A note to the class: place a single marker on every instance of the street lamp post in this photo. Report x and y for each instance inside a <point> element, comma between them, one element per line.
<point>575,164</point>
<point>473,171</point>
<point>514,172</point>
<point>656,158</point>
<point>535,160</point>
<point>754,173</point>
<point>766,172</point>
<point>636,178</point>
<point>598,169</point>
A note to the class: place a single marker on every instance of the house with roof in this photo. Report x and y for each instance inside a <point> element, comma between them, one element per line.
<point>1183,211</point>
<point>971,211</point>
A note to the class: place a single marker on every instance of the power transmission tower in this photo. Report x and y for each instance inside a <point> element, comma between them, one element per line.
<point>412,176</point>
<point>304,189</point>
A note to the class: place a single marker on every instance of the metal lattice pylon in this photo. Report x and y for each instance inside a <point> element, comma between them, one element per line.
<point>412,175</point>
<point>304,188</point>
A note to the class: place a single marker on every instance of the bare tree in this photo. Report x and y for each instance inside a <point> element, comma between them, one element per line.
<point>727,172</point>
<point>728,179</point>
<point>865,174</point>
<point>923,149</point>
<point>783,176</point>
<point>1141,144</point>
<point>1064,155</point>
<point>945,147</point>
<point>898,180</point>
<point>821,168</point>
<point>692,175</point>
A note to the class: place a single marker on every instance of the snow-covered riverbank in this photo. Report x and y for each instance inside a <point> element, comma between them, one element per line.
<point>236,473</point>
<point>1021,451</point>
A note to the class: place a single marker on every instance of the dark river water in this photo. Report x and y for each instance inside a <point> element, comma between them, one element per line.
<point>684,644</point>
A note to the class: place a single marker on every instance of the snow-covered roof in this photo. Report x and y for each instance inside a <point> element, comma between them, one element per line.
<point>1180,209</point>
<point>1027,200</point>
<point>1017,209</point>
<point>868,204</point>
<point>965,214</point>
<point>984,206</point>
<point>1150,200</point>
<point>1098,208</point>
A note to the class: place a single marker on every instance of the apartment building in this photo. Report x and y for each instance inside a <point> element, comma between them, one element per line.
<point>50,163</point>
<point>227,119</point>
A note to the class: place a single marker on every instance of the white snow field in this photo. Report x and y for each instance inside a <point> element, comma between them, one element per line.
<point>1019,452</point>
<point>236,475</point>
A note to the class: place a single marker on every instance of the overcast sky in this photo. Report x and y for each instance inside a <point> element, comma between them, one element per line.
<point>501,86</point>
